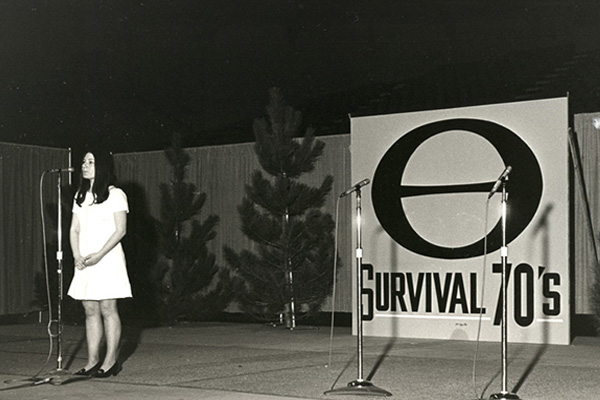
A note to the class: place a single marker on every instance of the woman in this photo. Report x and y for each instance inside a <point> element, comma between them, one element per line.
<point>98,225</point>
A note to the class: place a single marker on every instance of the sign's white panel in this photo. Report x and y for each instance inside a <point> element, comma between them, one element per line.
<point>431,239</point>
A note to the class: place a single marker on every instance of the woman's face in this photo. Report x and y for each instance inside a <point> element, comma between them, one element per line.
<point>88,168</point>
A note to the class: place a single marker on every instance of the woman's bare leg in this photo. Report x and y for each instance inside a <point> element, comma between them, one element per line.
<point>112,331</point>
<point>93,330</point>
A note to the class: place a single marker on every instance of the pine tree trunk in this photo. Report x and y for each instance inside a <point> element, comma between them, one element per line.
<point>290,320</point>
<point>290,312</point>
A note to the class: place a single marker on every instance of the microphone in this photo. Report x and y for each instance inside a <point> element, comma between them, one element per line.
<point>499,181</point>
<point>354,188</point>
<point>59,170</point>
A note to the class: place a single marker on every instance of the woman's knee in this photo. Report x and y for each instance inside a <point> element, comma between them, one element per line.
<point>92,308</point>
<point>109,307</point>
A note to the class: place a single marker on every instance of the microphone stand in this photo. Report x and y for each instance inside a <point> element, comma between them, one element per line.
<point>504,394</point>
<point>359,386</point>
<point>59,375</point>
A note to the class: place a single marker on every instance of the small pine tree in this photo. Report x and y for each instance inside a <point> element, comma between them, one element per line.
<point>295,245</point>
<point>189,284</point>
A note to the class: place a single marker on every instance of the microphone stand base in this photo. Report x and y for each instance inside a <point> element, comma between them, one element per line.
<point>58,377</point>
<point>504,396</point>
<point>360,387</point>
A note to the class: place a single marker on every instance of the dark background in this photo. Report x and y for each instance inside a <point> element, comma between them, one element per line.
<point>127,74</point>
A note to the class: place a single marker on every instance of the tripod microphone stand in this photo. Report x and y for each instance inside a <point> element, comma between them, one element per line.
<point>359,386</point>
<point>59,375</point>
<point>504,393</point>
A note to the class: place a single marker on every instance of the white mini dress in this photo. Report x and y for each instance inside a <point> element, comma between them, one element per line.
<point>108,278</point>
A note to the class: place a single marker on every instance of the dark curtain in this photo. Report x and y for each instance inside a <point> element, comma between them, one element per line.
<point>21,244</point>
<point>222,172</point>
<point>588,140</point>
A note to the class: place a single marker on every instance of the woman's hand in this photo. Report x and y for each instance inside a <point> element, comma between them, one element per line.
<point>87,261</point>
<point>92,259</point>
<point>80,262</point>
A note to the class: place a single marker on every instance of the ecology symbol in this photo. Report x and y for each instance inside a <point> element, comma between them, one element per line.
<point>525,187</point>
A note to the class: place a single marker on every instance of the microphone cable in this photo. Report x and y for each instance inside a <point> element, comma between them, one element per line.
<point>335,265</point>
<point>51,319</point>
<point>478,337</point>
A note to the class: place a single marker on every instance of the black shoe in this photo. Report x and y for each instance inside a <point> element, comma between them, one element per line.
<point>112,371</point>
<point>88,372</point>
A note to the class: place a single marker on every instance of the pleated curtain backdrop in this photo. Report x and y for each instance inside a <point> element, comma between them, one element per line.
<point>21,244</point>
<point>222,173</point>
<point>584,235</point>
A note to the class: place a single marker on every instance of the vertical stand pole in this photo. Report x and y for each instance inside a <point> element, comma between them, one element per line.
<point>59,259</point>
<point>359,287</point>
<point>504,394</point>
<point>359,386</point>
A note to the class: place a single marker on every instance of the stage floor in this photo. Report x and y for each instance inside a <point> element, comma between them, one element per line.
<point>261,362</point>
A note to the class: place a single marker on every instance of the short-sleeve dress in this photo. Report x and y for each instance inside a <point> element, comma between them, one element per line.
<point>108,278</point>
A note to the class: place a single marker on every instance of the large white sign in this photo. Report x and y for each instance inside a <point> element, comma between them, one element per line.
<point>431,238</point>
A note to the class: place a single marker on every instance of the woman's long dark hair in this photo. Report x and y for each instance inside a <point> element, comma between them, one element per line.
<point>105,177</point>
